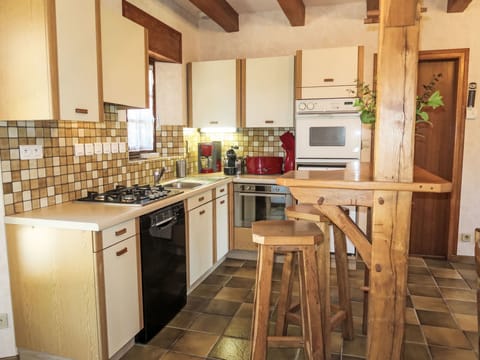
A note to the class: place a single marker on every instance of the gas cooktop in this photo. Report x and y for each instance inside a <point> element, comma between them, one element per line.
<point>138,195</point>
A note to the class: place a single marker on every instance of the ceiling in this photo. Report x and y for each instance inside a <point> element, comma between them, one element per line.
<point>226,12</point>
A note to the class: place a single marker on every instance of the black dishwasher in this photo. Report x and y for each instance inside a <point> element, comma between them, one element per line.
<point>164,285</point>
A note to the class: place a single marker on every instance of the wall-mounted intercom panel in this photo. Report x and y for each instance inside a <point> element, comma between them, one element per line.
<point>471,110</point>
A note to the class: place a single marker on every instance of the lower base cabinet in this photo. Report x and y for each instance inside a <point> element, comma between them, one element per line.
<point>75,293</point>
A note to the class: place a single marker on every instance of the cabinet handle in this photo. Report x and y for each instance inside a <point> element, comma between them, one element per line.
<point>81,111</point>
<point>269,121</point>
<point>328,80</point>
<point>201,198</point>
<point>121,252</point>
<point>121,232</point>
<point>222,190</point>
<point>202,212</point>
<point>222,202</point>
<point>213,122</point>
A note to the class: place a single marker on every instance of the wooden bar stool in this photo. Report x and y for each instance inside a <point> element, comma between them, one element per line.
<point>305,239</point>
<point>286,311</point>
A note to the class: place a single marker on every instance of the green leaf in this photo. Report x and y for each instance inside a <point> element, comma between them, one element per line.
<point>423,116</point>
<point>435,100</point>
<point>367,117</point>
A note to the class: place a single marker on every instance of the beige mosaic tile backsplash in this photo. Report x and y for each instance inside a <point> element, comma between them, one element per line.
<point>60,176</point>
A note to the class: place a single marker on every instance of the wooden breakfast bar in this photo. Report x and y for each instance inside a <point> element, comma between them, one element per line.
<point>387,260</point>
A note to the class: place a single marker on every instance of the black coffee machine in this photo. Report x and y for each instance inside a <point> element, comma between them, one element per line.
<point>229,166</point>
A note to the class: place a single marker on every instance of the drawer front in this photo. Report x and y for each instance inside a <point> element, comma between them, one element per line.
<point>117,233</point>
<point>221,190</point>
<point>197,200</point>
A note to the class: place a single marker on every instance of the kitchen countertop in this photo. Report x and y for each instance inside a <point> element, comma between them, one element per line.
<point>93,216</point>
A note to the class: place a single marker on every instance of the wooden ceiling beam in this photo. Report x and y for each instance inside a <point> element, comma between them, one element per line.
<point>219,11</point>
<point>294,10</point>
<point>457,5</point>
<point>373,12</point>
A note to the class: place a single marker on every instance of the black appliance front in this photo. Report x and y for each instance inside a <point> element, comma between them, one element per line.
<point>164,283</point>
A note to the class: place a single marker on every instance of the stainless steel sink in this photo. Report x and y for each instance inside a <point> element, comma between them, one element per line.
<point>179,184</point>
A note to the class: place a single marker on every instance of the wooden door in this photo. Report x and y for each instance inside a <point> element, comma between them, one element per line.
<point>439,149</point>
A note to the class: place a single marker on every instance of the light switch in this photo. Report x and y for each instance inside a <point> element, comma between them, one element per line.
<point>97,148</point>
<point>79,149</point>
<point>88,149</point>
<point>106,148</point>
<point>30,152</point>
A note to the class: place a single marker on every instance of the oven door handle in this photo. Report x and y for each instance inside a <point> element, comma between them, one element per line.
<point>166,221</point>
<point>253,194</point>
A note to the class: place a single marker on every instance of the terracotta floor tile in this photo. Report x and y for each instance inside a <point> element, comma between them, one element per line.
<point>172,355</point>
<point>445,273</point>
<point>411,316</point>
<point>422,290</point>
<point>183,319</point>
<point>452,283</point>
<point>232,294</point>
<point>459,294</point>
<point>195,343</point>
<point>245,310</point>
<point>238,282</point>
<point>210,323</point>
<point>446,337</point>
<point>231,349</point>
<point>438,263</point>
<point>441,353</point>
<point>421,279</point>
<point>206,291</point>
<point>463,307</point>
<point>246,272</point>
<point>166,337</point>
<point>215,279</point>
<point>144,352</point>
<point>413,333</point>
<point>355,347</point>
<point>418,270</point>
<point>234,262</point>
<point>416,261</point>
<point>195,303</point>
<point>467,322</point>
<point>239,328</point>
<point>434,318</point>
<point>222,307</point>
<point>429,303</point>
<point>415,352</point>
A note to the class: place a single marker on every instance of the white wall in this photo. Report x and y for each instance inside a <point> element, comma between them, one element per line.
<point>269,34</point>
<point>7,336</point>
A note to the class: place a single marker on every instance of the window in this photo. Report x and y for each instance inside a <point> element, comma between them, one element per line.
<point>141,122</point>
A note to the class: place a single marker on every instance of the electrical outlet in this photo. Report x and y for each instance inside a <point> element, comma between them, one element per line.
<point>31,152</point>
<point>465,237</point>
<point>3,320</point>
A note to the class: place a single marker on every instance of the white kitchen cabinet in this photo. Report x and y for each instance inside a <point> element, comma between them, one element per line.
<point>269,91</point>
<point>221,222</point>
<point>214,90</point>
<point>121,281</point>
<point>329,72</point>
<point>76,294</point>
<point>200,235</point>
<point>50,63</point>
<point>169,94</point>
<point>124,57</point>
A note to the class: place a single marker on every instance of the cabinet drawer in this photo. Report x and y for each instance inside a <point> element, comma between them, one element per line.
<point>200,199</point>
<point>117,233</point>
<point>221,190</point>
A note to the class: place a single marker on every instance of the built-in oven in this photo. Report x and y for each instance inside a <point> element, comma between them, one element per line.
<point>254,202</point>
<point>327,129</point>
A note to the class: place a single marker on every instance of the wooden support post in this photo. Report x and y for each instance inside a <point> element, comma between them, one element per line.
<point>393,161</point>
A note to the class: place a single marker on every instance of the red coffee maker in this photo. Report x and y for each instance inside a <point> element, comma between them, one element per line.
<point>209,157</point>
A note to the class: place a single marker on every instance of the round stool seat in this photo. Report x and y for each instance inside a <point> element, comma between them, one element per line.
<point>286,232</point>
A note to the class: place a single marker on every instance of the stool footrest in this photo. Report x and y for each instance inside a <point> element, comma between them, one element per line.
<point>285,341</point>
<point>337,318</point>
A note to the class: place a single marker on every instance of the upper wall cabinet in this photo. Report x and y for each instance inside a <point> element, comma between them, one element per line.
<point>49,68</point>
<point>328,72</point>
<point>124,58</point>
<point>169,94</point>
<point>214,93</point>
<point>268,92</point>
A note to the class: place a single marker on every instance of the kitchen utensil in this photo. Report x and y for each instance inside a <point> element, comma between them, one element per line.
<point>181,168</point>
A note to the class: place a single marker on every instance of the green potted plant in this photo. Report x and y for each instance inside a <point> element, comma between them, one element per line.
<point>430,98</point>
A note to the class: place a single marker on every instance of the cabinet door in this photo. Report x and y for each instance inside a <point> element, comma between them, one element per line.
<point>78,60</point>
<point>269,92</point>
<point>200,241</point>
<point>329,72</point>
<point>122,293</point>
<point>169,93</point>
<point>214,93</point>
<point>124,58</point>
<point>221,226</point>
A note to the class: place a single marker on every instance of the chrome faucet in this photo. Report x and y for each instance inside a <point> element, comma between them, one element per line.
<point>157,175</point>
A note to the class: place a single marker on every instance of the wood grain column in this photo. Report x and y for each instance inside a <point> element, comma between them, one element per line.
<point>393,161</point>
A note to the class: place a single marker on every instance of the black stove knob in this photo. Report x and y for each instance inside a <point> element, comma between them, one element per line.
<point>91,195</point>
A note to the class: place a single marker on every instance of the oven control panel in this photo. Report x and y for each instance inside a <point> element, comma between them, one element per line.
<point>334,105</point>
